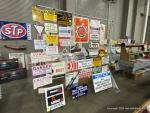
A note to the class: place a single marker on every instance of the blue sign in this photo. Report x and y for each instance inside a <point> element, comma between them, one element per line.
<point>14,31</point>
<point>79,91</point>
<point>100,75</point>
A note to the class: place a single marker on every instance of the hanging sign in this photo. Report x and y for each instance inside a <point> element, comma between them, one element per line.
<point>59,68</point>
<point>50,15</point>
<point>51,40</point>
<point>85,63</point>
<point>96,70</point>
<point>81,31</point>
<point>85,73</point>
<point>97,62</point>
<point>50,28</point>
<point>39,44</point>
<point>71,79</point>
<point>64,31</point>
<point>42,81</point>
<point>105,68</point>
<point>52,50</point>
<point>93,45</point>
<point>101,81</point>
<point>15,31</point>
<point>79,91</point>
<point>71,65</point>
<point>55,97</point>
<point>64,18</point>
<point>41,69</point>
<point>37,15</point>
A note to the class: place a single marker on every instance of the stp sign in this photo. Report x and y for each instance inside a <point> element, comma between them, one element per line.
<point>11,30</point>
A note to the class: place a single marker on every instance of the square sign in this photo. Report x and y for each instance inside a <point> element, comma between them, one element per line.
<point>54,97</point>
<point>102,81</point>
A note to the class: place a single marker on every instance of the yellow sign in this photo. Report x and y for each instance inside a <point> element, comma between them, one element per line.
<point>97,62</point>
<point>51,40</point>
<point>37,15</point>
<point>50,16</point>
<point>102,52</point>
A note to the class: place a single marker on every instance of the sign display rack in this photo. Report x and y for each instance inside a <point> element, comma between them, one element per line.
<point>72,67</point>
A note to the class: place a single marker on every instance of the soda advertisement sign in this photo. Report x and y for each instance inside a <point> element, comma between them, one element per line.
<point>15,31</point>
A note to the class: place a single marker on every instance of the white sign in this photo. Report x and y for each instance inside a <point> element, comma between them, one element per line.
<point>93,52</point>
<point>64,31</point>
<point>52,50</point>
<point>39,28</point>
<point>71,78</point>
<point>42,81</point>
<point>95,23</point>
<point>85,63</point>
<point>59,68</point>
<point>50,28</point>
<point>55,97</point>
<point>105,60</point>
<point>102,81</point>
<point>105,68</point>
<point>39,44</point>
<point>20,57</point>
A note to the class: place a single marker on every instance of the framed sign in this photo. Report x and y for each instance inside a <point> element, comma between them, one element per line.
<point>41,69</point>
<point>85,73</point>
<point>64,18</point>
<point>101,81</point>
<point>79,91</point>
<point>55,97</point>
<point>15,31</point>
<point>42,81</point>
<point>65,32</point>
<point>71,65</point>
<point>71,79</point>
<point>50,28</point>
<point>81,30</point>
<point>85,63</point>
<point>59,68</point>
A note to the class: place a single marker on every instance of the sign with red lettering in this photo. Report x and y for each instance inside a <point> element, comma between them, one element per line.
<point>85,73</point>
<point>58,68</point>
<point>15,31</point>
<point>71,66</point>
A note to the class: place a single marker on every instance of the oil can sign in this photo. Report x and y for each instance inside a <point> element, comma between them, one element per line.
<point>54,97</point>
<point>15,31</point>
<point>102,81</point>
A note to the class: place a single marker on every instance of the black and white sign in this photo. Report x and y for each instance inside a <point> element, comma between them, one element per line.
<point>54,97</point>
<point>102,81</point>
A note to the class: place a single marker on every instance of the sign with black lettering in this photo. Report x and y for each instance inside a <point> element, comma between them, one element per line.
<point>54,97</point>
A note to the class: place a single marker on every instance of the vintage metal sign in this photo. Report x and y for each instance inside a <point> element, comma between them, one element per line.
<point>15,31</point>
<point>102,81</point>
<point>54,97</point>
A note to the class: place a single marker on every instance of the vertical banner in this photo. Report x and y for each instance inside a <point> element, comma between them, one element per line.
<point>55,97</point>
<point>15,31</point>
<point>81,30</point>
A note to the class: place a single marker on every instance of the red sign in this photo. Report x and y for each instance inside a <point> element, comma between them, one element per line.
<point>81,30</point>
<point>13,30</point>
<point>71,66</point>
<point>86,73</point>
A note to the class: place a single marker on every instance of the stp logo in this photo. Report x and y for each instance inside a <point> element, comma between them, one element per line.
<point>13,30</point>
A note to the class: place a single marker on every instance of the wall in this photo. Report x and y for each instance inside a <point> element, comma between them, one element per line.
<point>20,11</point>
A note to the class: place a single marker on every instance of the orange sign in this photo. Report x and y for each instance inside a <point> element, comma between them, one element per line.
<point>81,30</point>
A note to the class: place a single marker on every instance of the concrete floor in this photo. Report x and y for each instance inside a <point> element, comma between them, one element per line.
<point>19,97</point>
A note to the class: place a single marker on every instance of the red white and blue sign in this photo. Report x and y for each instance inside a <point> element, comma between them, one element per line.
<point>79,91</point>
<point>15,31</point>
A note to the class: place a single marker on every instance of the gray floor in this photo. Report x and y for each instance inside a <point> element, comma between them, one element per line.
<point>19,97</point>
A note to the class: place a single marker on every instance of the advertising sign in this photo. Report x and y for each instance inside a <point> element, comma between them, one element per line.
<point>41,69</point>
<point>42,81</point>
<point>93,45</point>
<point>96,70</point>
<point>39,44</point>
<point>64,31</point>
<point>71,65</point>
<point>64,42</point>
<point>51,40</point>
<point>37,15</point>
<point>71,79</point>
<point>85,73</point>
<point>93,52</point>
<point>101,81</point>
<point>50,15</point>
<point>59,68</point>
<point>50,28</point>
<point>79,91</point>
<point>97,62</point>
<point>55,97</point>
<point>95,23</point>
<point>15,31</point>
<point>81,30</point>
<point>64,18</point>
<point>85,63</point>
<point>52,50</point>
